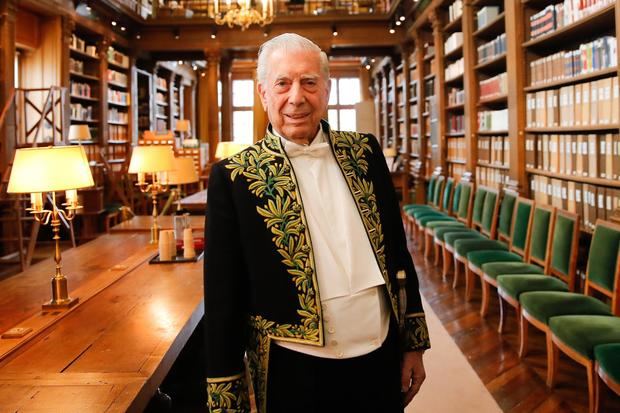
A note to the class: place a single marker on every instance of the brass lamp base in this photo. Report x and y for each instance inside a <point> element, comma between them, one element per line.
<point>60,304</point>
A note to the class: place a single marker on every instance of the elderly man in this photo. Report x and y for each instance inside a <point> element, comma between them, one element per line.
<point>304,243</point>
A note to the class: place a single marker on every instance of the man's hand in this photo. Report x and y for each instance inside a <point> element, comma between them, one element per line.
<point>412,375</point>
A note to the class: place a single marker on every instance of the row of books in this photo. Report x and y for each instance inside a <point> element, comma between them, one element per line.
<point>118,58</point>
<point>456,170</point>
<point>492,49</point>
<point>455,69</point>
<point>117,77</point>
<point>80,45</point>
<point>413,90</point>
<point>494,150</point>
<point>118,132</point>
<point>493,120</point>
<point>456,96</point>
<point>494,86</point>
<point>591,155</point>
<point>585,104</point>
<point>590,201</point>
<point>554,17</point>
<point>77,66</point>
<point>453,42</point>
<point>492,177</point>
<point>161,82</point>
<point>486,15</point>
<point>457,149</point>
<point>116,96</point>
<point>456,123</point>
<point>81,89</point>
<point>115,115</point>
<point>590,57</point>
<point>81,112</point>
<point>455,10</point>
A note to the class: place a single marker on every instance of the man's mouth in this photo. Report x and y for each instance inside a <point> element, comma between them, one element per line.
<point>296,116</point>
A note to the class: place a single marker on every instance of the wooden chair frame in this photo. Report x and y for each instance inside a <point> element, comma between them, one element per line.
<point>572,266</point>
<point>599,388</point>
<point>420,230</point>
<point>487,281</point>
<point>445,253</point>
<point>554,344</point>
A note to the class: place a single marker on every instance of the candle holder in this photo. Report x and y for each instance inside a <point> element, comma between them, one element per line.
<point>156,161</point>
<point>51,169</point>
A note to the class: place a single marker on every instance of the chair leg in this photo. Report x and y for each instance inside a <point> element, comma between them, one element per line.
<point>427,246</point>
<point>446,263</point>
<point>523,335</point>
<point>500,327</point>
<point>456,273</point>
<point>435,251</point>
<point>599,397</point>
<point>553,357</point>
<point>469,283</point>
<point>486,292</point>
<point>592,387</point>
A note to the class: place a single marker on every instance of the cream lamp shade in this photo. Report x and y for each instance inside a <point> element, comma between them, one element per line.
<point>79,133</point>
<point>226,149</point>
<point>184,172</point>
<point>151,158</point>
<point>52,168</point>
<point>182,125</point>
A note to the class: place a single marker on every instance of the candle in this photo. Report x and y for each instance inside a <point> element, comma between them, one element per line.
<point>216,7</point>
<point>188,243</point>
<point>141,178</point>
<point>264,2</point>
<point>36,201</point>
<point>164,248</point>
<point>72,197</point>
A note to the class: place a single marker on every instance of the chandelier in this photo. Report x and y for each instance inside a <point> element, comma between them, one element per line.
<point>242,13</point>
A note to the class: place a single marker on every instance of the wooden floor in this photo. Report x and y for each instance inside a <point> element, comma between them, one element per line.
<point>517,386</point>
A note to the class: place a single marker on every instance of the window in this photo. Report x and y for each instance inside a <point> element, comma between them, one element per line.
<point>344,94</point>
<point>17,68</point>
<point>243,110</point>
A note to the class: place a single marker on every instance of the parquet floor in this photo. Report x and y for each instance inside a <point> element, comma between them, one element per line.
<point>518,386</point>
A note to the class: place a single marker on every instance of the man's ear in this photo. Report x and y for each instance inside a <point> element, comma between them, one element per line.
<point>261,93</point>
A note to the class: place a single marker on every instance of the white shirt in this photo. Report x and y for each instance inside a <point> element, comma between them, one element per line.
<point>354,307</point>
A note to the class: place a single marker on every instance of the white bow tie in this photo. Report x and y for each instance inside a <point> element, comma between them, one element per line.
<point>318,150</point>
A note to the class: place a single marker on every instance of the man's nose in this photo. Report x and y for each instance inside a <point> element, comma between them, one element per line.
<point>296,95</point>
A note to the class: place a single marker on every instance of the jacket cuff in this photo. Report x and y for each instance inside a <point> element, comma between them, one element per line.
<point>228,394</point>
<point>415,333</point>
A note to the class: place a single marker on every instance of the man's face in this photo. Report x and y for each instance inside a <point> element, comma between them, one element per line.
<point>295,94</point>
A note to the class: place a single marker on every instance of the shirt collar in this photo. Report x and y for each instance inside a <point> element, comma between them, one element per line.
<point>287,144</point>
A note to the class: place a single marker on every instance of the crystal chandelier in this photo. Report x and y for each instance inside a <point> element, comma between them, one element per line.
<point>242,13</point>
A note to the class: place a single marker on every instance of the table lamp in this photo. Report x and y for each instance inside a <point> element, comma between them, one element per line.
<point>226,149</point>
<point>157,161</point>
<point>79,132</point>
<point>51,169</point>
<point>184,173</point>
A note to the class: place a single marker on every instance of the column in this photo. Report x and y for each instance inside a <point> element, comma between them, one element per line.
<point>8,11</point>
<point>225,78</point>
<point>213,128</point>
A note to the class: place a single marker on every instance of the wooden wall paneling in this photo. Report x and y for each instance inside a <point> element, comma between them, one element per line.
<point>226,81</point>
<point>438,148</point>
<point>471,87</point>
<point>27,33</point>
<point>516,66</point>
<point>213,129</point>
<point>8,10</point>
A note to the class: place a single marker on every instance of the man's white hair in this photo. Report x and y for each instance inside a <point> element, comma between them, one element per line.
<point>289,43</point>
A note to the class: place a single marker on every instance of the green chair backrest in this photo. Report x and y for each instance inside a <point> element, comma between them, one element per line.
<point>539,235</point>
<point>563,261</point>
<point>505,214</point>
<point>481,193</point>
<point>431,189</point>
<point>602,261</point>
<point>465,197</point>
<point>447,191</point>
<point>520,225</point>
<point>488,212</point>
<point>456,198</point>
<point>439,184</point>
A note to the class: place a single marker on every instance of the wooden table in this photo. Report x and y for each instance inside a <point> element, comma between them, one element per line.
<point>111,351</point>
<point>142,223</point>
<point>196,202</point>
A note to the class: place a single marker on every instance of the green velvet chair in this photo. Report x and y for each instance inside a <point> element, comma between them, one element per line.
<point>410,209</point>
<point>560,266</point>
<point>607,366</point>
<point>433,208</point>
<point>579,321</point>
<point>488,264</point>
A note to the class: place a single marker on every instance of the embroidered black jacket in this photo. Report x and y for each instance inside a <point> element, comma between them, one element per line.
<point>260,281</point>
